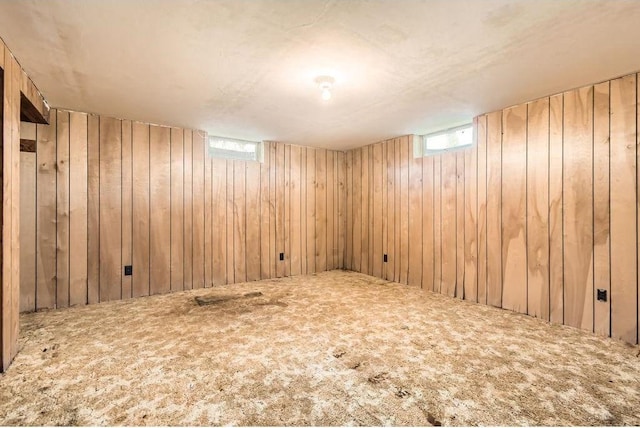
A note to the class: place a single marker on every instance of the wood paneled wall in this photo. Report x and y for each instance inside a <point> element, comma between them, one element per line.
<point>18,98</point>
<point>109,193</point>
<point>536,217</point>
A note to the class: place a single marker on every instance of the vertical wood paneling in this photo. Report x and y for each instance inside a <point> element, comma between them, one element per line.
<point>556,280</point>
<point>28,231</point>
<point>397,203</point>
<point>482,209</point>
<point>449,224</point>
<point>265,248</point>
<point>160,209</point>
<point>62,210</point>
<point>110,209</point>
<point>311,209</point>
<point>141,186</point>
<point>208,217</point>
<point>437,224</point>
<point>93,207</point>
<point>342,209</point>
<point>280,210</point>
<point>364,210</point>
<point>357,210</point>
<point>416,215</point>
<point>252,224</point>
<point>127,214</point>
<point>578,208</point>
<point>624,279</point>
<point>404,209</point>
<point>220,222</point>
<point>272,210</point>
<point>188,210</point>
<point>46,214</point>
<point>494,205</point>
<point>198,209</point>
<point>295,185</point>
<point>538,209</point>
<point>376,209</point>
<point>514,204</point>
<point>230,215</point>
<point>239,222</point>
<point>331,217</point>
<point>77,209</point>
<point>286,209</point>
<point>177,209</point>
<point>389,218</point>
<point>348,263</point>
<point>460,224</point>
<point>321,210</point>
<point>470,221</point>
<point>601,208</point>
<point>427,224</point>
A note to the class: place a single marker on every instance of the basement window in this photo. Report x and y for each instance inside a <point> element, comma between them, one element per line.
<point>448,139</point>
<point>230,148</point>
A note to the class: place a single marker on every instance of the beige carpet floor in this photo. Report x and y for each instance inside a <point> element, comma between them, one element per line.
<point>337,348</point>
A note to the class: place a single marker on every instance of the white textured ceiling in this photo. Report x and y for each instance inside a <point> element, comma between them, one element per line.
<point>245,68</point>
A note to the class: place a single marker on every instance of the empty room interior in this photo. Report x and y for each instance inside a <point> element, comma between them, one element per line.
<point>322,212</point>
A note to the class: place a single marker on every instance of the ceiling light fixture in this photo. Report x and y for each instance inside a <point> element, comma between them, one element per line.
<point>325,83</point>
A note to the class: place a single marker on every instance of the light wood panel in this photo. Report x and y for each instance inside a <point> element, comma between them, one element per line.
<point>177,209</point>
<point>514,214</point>
<point>188,210</point>
<point>330,217</point>
<point>239,222</point>
<point>295,186</point>
<point>28,232</point>
<point>78,212</point>
<point>536,217</point>
<point>220,222</point>
<point>127,208</point>
<point>140,229</point>
<point>578,207</point>
<point>62,210</point>
<point>415,216</point>
<point>252,224</point>
<point>601,208</point>
<point>364,211</point>
<point>538,209</point>
<point>110,209</point>
<point>93,207</point>
<point>624,240</point>
<point>197,199</point>
<point>160,209</point>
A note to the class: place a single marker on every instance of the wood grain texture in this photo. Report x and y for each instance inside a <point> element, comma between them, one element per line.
<point>427,223</point>
<point>310,172</point>
<point>252,225</point>
<point>265,248</point>
<point>330,211</point>
<point>415,217</point>
<point>127,208</point>
<point>28,232</point>
<point>220,221</point>
<point>296,234</point>
<point>624,241</point>
<point>286,209</point>
<point>556,264</point>
<point>601,208</point>
<point>342,209</point>
<point>198,209</point>
<point>280,192</point>
<point>460,253</point>
<point>62,210</point>
<point>78,212</point>
<point>437,224</point>
<point>93,206</point>
<point>239,222</point>
<point>514,205</point>
<point>177,209</point>
<point>188,210</point>
<point>376,209</point>
<point>538,209</point>
<point>46,215</point>
<point>578,208</point>
<point>208,216</point>
<point>231,271</point>
<point>494,209</point>
<point>348,262</point>
<point>390,210</point>
<point>482,208</point>
<point>470,221</point>
<point>140,230</point>
<point>364,210</point>
<point>449,224</point>
<point>357,210</point>
<point>110,209</point>
<point>160,209</point>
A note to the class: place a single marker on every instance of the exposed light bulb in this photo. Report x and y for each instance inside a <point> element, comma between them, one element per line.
<point>325,83</point>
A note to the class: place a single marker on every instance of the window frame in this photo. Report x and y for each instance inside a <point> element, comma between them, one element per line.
<point>222,153</point>
<point>424,151</point>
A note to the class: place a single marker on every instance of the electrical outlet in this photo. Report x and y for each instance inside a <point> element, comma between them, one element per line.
<point>602,295</point>
<point>385,258</point>
<point>128,270</point>
<point>281,256</point>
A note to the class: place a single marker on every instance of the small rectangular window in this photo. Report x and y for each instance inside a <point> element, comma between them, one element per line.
<point>230,148</point>
<point>448,139</point>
